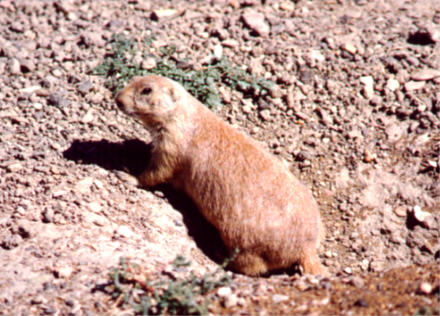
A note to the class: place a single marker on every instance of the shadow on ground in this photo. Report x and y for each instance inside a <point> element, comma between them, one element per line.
<point>132,156</point>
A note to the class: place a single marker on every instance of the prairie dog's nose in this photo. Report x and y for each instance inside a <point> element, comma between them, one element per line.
<point>124,98</point>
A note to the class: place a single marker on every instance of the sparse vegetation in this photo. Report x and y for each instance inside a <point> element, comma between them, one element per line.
<point>165,293</point>
<point>119,66</point>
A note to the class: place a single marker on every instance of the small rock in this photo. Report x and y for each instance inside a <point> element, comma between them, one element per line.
<point>88,117</point>
<point>27,66</point>
<point>425,288</point>
<point>315,57</point>
<point>348,270</point>
<point>265,115</point>
<point>83,186</point>
<point>278,298</point>
<point>96,219</point>
<point>148,63</point>
<point>255,21</point>
<point>288,6</point>
<point>48,215</point>
<point>95,207</point>
<point>161,14</point>
<point>39,299</point>
<point>350,48</point>
<point>424,218</point>
<point>357,282</point>
<point>125,231</point>
<point>400,211</point>
<point>368,156</point>
<point>230,301</point>
<point>420,215</point>
<point>85,87</point>
<point>414,85</point>
<point>14,167</point>
<point>230,43</point>
<point>30,90</point>
<point>63,272</point>
<point>127,178</point>
<point>426,74</point>
<point>361,303</point>
<point>57,99</point>
<point>224,291</point>
<point>392,84</point>
<point>218,51</point>
<point>14,67</point>
<point>368,83</point>
<point>301,285</point>
<point>57,73</point>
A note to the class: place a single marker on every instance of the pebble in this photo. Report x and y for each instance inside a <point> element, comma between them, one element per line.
<point>148,63</point>
<point>38,299</point>
<point>14,167</point>
<point>301,285</point>
<point>88,117</point>
<point>127,178</point>
<point>368,83</point>
<point>161,14</point>
<point>425,218</point>
<point>255,21</point>
<point>85,87</point>
<point>425,74</point>
<point>278,298</point>
<point>30,90</point>
<point>58,100</point>
<point>63,272</point>
<point>83,186</point>
<point>361,303</point>
<point>420,215</point>
<point>288,6</point>
<point>392,84</point>
<point>57,73</point>
<point>27,66</point>
<point>400,211</point>
<point>349,47</point>
<point>14,67</point>
<point>348,270</point>
<point>368,156</point>
<point>414,85</point>
<point>218,51</point>
<point>125,231</point>
<point>224,291</point>
<point>357,282</point>
<point>230,301</point>
<point>96,219</point>
<point>265,115</point>
<point>94,207</point>
<point>425,288</point>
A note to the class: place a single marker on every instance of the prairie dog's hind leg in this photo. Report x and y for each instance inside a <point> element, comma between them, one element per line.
<point>249,264</point>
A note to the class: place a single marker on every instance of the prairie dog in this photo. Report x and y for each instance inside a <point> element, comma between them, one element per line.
<point>250,196</point>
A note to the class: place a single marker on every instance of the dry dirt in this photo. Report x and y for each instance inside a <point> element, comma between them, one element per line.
<point>356,114</point>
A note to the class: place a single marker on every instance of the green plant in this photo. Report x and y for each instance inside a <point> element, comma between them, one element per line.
<point>118,67</point>
<point>166,294</point>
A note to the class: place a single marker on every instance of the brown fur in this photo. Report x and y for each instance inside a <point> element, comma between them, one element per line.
<point>252,199</point>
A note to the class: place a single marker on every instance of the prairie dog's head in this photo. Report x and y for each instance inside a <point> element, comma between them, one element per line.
<point>152,99</point>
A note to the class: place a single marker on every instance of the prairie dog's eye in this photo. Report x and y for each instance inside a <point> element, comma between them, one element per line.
<point>146,91</point>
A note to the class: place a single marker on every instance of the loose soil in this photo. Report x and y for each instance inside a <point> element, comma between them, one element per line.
<point>355,112</point>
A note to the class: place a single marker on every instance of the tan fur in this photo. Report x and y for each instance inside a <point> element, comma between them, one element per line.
<point>252,199</point>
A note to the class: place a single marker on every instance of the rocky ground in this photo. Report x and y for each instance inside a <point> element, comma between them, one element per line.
<point>355,111</point>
